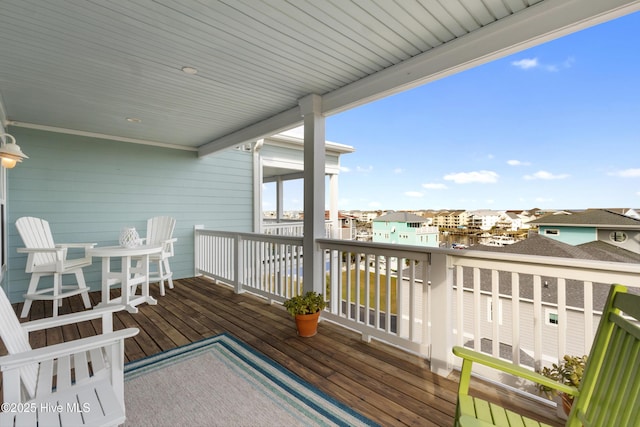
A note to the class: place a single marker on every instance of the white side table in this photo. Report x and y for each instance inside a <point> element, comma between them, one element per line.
<point>129,277</point>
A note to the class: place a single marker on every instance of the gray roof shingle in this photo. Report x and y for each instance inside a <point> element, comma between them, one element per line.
<point>400,217</point>
<point>589,218</point>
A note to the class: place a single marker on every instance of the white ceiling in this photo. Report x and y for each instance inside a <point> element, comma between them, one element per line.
<point>85,66</point>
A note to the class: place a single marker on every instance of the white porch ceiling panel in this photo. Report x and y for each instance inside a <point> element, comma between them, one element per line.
<point>86,65</point>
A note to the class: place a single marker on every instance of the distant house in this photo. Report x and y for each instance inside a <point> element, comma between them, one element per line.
<point>509,221</point>
<point>592,225</point>
<point>346,226</point>
<point>484,219</point>
<point>518,219</point>
<point>441,218</point>
<point>406,229</point>
<point>503,312</point>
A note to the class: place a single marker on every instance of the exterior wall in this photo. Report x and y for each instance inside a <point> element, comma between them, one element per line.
<point>632,243</point>
<point>89,189</point>
<point>575,321</point>
<point>570,235</point>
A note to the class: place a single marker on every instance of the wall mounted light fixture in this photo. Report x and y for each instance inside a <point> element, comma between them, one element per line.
<point>10,152</point>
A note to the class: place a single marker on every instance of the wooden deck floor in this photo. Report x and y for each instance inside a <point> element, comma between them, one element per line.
<point>383,383</point>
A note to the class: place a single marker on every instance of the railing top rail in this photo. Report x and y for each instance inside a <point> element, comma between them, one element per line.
<point>398,251</point>
<point>271,238</point>
<point>543,260</point>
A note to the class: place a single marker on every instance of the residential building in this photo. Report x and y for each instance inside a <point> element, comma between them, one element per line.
<point>509,221</point>
<point>576,228</point>
<point>441,218</point>
<point>484,219</point>
<point>539,245</point>
<point>406,229</point>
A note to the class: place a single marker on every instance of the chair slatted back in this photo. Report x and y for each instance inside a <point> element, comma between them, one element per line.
<point>36,234</point>
<point>610,388</point>
<point>160,229</point>
<point>16,341</point>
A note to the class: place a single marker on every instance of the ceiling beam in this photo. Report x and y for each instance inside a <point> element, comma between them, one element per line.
<point>275,124</point>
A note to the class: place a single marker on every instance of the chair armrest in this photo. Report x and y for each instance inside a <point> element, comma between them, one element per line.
<point>76,245</point>
<point>513,369</point>
<point>61,253</point>
<point>167,245</point>
<point>106,313</point>
<point>14,361</point>
<point>39,250</point>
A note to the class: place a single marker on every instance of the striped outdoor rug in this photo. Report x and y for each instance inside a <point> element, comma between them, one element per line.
<point>221,381</point>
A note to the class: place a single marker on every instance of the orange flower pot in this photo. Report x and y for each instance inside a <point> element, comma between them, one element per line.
<point>567,402</point>
<point>307,324</point>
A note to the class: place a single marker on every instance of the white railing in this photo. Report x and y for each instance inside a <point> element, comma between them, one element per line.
<point>270,266</point>
<point>287,228</point>
<point>291,228</point>
<point>546,307</point>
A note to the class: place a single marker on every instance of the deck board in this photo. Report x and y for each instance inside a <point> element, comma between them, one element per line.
<point>388,385</point>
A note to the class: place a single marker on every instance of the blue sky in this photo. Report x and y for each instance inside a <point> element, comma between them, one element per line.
<point>556,126</point>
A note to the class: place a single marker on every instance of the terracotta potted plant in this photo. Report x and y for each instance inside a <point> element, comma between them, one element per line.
<point>569,371</point>
<point>306,310</point>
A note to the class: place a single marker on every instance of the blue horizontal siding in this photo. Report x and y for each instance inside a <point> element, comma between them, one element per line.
<point>90,188</point>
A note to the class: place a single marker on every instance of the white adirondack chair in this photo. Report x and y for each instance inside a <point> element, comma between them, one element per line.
<point>45,258</point>
<point>160,232</point>
<point>76,383</point>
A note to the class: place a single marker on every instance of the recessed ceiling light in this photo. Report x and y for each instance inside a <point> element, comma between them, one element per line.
<point>134,120</point>
<point>189,70</point>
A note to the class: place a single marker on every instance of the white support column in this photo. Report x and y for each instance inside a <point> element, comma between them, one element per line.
<point>336,232</point>
<point>314,168</point>
<point>441,278</point>
<point>279,199</point>
<point>258,216</point>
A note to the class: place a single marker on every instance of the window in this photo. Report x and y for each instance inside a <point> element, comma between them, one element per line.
<point>618,236</point>
<point>490,311</point>
<point>551,232</point>
<point>551,317</point>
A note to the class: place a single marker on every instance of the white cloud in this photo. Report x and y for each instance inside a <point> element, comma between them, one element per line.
<point>344,169</point>
<point>543,199</point>
<point>489,201</point>
<point>546,176</point>
<point>525,64</point>
<point>374,204</point>
<point>364,169</point>
<point>434,186</point>
<point>627,173</point>
<point>517,163</point>
<point>413,194</point>
<point>398,170</point>
<point>484,177</point>
<point>528,63</point>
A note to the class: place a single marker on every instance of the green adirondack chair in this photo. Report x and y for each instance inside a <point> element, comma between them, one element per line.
<point>609,393</point>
